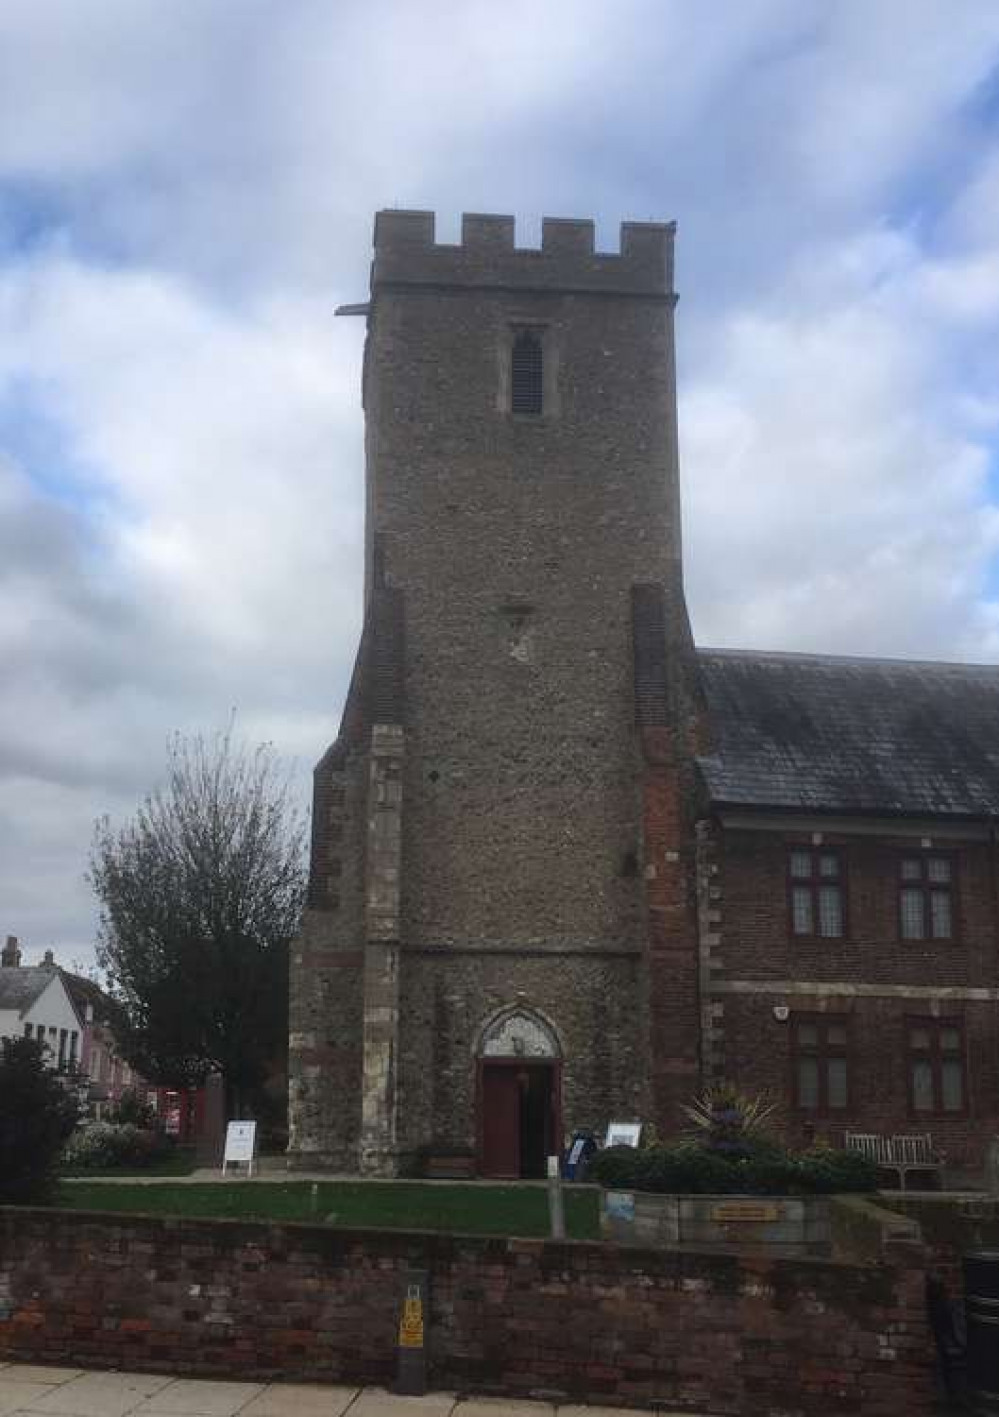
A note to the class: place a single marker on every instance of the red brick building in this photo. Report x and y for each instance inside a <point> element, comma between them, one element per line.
<point>843,862</point>
<point>566,868</point>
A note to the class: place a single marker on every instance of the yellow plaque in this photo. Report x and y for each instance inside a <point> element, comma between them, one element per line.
<point>411,1325</point>
<point>743,1212</point>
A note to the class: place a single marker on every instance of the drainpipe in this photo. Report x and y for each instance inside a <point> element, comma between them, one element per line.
<point>994,959</point>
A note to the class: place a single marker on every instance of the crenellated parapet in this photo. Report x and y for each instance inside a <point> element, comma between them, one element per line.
<point>406,253</point>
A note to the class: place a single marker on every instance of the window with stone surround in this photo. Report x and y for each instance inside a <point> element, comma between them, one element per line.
<point>820,1047</point>
<point>926,896</point>
<point>936,1065</point>
<point>816,893</point>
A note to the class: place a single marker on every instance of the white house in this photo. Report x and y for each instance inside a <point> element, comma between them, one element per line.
<point>34,1003</point>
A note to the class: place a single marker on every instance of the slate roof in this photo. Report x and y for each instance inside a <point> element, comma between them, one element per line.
<point>83,991</point>
<point>20,987</point>
<point>834,734</point>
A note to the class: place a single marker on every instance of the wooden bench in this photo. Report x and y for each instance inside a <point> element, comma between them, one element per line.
<point>901,1154</point>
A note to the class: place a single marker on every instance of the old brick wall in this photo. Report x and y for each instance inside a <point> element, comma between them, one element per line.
<point>759,943</point>
<point>674,1027</point>
<point>871,977</point>
<point>950,1226</point>
<point>691,1330</point>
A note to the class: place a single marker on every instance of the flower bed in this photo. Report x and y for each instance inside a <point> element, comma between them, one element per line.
<point>98,1146</point>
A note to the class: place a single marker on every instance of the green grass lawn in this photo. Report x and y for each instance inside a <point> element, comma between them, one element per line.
<point>180,1162</point>
<point>477,1209</point>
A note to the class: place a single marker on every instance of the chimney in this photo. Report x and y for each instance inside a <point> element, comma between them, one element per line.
<point>48,960</point>
<point>10,955</point>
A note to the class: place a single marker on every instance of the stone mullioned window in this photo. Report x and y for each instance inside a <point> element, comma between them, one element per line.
<point>936,1065</point>
<point>821,1044</point>
<point>925,897</point>
<point>816,893</point>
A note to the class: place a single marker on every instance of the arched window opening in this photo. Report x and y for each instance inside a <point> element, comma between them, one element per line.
<point>527,375</point>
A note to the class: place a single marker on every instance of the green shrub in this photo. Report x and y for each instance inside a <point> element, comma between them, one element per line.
<point>687,1167</point>
<point>100,1146</point>
<point>37,1113</point>
<point>132,1109</point>
<point>619,1167</point>
<point>830,1171</point>
<point>765,1168</point>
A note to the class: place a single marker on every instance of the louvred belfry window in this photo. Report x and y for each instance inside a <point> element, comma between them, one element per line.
<point>527,375</point>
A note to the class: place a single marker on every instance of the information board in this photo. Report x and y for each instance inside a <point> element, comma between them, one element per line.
<point>745,1213</point>
<point>240,1145</point>
<point>576,1154</point>
<point>623,1134</point>
<point>619,1205</point>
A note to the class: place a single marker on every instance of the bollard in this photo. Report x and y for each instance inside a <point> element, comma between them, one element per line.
<point>556,1212</point>
<point>412,1366</point>
<point>981,1304</point>
<point>992,1167</point>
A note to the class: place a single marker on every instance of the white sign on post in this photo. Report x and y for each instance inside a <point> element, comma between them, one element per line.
<point>623,1134</point>
<point>240,1145</point>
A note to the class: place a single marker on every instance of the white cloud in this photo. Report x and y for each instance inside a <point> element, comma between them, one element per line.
<point>835,477</point>
<point>882,90</point>
<point>188,193</point>
<point>218,442</point>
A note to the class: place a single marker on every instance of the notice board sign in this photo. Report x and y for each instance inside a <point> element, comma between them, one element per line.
<point>240,1145</point>
<point>745,1213</point>
<point>623,1134</point>
<point>576,1153</point>
<point>620,1205</point>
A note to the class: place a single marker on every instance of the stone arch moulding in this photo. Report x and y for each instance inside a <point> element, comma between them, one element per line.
<point>518,1032</point>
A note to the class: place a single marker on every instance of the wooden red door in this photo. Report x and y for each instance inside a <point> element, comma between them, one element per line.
<point>500,1103</point>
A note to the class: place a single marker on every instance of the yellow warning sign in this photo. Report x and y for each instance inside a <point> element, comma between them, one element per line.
<point>411,1324</point>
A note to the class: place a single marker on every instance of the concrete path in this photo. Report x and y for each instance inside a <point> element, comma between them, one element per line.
<point>275,1168</point>
<point>27,1390</point>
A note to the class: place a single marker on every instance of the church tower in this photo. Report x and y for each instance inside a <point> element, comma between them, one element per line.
<point>500,942</point>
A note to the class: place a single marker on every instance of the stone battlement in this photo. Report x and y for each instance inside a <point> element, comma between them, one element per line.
<point>406,253</point>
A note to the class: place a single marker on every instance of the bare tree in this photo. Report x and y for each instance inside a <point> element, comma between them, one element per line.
<point>200,895</point>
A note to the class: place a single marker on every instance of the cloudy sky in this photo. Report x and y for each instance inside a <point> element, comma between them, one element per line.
<point>186,192</point>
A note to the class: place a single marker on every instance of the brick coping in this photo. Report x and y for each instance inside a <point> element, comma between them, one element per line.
<point>614,1255</point>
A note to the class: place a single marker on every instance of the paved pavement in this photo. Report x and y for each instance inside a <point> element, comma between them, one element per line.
<point>27,1390</point>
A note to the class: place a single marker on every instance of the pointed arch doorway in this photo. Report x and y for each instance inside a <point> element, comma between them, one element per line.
<point>519,1095</point>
